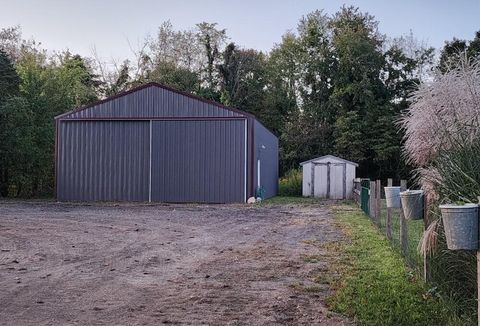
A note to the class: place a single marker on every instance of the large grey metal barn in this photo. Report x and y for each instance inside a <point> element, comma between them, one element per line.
<point>154,143</point>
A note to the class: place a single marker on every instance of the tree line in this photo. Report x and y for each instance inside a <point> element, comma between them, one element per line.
<point>334,85</point>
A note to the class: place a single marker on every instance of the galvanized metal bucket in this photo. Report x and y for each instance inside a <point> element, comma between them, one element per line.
<point>392,195</point>
<point>412,204</point>
<point>461,226</point>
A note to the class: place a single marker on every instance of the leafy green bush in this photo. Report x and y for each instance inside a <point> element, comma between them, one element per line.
<point>291,183</point>
<point>457,176</point>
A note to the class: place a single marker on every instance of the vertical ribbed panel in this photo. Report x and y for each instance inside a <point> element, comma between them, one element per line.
<point>103,160</point>
<point>153,101</point>
<point>266,149</point>
<point>198,161</point>
<point>192,160</point>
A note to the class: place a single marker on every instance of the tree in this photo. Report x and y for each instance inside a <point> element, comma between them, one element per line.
<point>47,87</point>
<point>10,119</point>
<point>473,49</point>
<point>317,67</point>
<point>407,63</point>
<point>121,81</point>
<point>181,48</point>
<point>299,88</point>
<point>413,59</point>
<point>17,148</point>
<point>9,79</point>
<point>170,74</point>
<point>242,79</point>
<point>11,41</point>
<point>281,84</point>
<point>349,141</point>
<point>183,59</point>
<point>211,40</point>
<point>454,50</point>
<point>359,95</point>
<point>451,51</point>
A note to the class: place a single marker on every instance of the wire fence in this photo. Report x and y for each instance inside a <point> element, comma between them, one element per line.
<point>403,235</point>
<point>450,273</point>
<point>414,235</point>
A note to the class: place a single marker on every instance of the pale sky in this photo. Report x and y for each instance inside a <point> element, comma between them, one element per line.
<point>109,25</point>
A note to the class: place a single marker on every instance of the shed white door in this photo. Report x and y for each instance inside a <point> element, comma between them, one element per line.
<point>337,183</point>
<point>329,180</point>
<point>320,176</point>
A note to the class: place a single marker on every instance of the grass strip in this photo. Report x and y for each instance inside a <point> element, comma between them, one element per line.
<point>375,287</point>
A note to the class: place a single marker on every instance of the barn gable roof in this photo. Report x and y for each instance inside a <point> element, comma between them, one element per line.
<point>153,100</point>
<point>331,157</point>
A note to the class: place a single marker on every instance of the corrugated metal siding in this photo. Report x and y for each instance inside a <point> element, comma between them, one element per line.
<point>268,158</point>
<point>198,161</point>
<point>195,159</point>
<point>103,160</point>
<point>153,101</point>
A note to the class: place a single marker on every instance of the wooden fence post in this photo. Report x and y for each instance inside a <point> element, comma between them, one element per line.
<point>378,202</point>
<point>403,225</point>
<point>388,218</point>
<point>478,281</point>
<point>371,204</point>
<point>426,223</point>
<point>357,191</point>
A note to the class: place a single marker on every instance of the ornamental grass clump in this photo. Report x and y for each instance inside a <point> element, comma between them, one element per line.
<point>444,112</point>
<point>442,136</point>
<point>442,141</point>
<point>457,173</point>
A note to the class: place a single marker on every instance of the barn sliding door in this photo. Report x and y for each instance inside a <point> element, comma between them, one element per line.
<point>198,161</point>
<point>103,160</point>
<point>329,180</point>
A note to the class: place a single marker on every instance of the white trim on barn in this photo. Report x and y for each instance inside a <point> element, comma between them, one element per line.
<point>150,164</point>
<point>245,167</point>
<point>259,184</point>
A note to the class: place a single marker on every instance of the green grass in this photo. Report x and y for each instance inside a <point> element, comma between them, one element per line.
<point>376,287</point>
<point>293,200</point>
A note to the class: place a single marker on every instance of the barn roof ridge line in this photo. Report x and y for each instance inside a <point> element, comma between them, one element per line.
<point>329,156</point>
<point>162,86</point>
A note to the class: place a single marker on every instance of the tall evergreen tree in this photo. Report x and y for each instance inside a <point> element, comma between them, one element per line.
<point>359,94</point>
<point>9,80</point>
<point>9,120</point>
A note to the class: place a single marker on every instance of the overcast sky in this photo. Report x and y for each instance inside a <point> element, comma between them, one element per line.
<point>110,25</point>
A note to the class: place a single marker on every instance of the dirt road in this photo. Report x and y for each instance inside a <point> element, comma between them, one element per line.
<point>101,264</point>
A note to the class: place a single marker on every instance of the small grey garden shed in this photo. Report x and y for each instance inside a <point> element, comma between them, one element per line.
<point>328,177</point>
<point>154,143</point>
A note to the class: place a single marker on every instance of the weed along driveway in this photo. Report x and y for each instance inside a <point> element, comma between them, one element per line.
<point>132,264</point>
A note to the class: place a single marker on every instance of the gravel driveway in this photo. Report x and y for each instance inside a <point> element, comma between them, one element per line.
<point>137,264</point>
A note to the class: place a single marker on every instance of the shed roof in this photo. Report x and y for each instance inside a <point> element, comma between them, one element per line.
<point>331,157</point>
<point>114,102</point>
